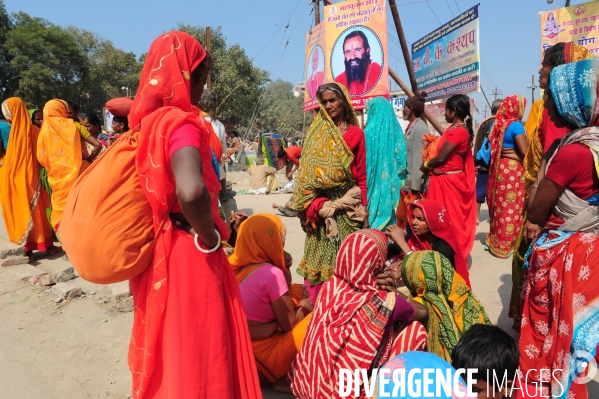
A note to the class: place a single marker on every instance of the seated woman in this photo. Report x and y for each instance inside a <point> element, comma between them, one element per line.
<point>274,307</point>
<point>452,307</point>
<point>356,324</point>
<point>432,229</point>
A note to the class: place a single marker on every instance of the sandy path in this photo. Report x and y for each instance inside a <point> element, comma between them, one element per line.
<point>78,348</point>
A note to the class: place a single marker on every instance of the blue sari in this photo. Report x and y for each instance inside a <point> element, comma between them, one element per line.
<point>386,156</point>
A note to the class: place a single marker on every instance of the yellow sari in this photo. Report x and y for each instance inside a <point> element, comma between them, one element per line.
<point>20,185</point>
<point>59,151</point>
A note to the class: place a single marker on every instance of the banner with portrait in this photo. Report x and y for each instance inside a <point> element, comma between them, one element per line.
<point>315,65</point>
<point>447,60</point>
<point>579,24</point>
<point>356,48</point>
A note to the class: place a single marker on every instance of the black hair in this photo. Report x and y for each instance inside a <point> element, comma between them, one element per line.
<point>74,106</point>
<point>94,120</point>
<point>123,120</point>
<point>235,132</point>
<point>33,114</point>
<point>555,55</point>
<point>488,349</point>
<point>361,35</point>
<point>334,87</point>
<point>204,68</point>
<point>208,102</point>
<point>281,154</point>
<point>460,103</point>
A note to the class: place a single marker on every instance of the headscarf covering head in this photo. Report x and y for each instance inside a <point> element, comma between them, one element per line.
<point>119,107</point>
<point>59,151</point>
<point>511,110</point>
<point>416,102</point>
<point>6,110</point>
<point>440,225</point>
<point>573,87</point>
<point>341,92</point>
<point>574,52</point>
<point>165,79</point>
<point>386,161</point>
<point>19,176</point>
<point>452,307</point>
<point>350,306</point>
<point>260,239</point>
<point>326,157</point>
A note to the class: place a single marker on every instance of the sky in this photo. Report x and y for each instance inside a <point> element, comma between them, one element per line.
<point>509,31</point>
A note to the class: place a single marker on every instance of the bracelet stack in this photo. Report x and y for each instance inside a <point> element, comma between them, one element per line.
<point>303,310</point>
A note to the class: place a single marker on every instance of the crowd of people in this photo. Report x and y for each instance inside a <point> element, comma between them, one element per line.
<point>390,220</point>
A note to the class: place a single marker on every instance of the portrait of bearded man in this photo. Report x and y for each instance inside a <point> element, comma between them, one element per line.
<point>361,73</point>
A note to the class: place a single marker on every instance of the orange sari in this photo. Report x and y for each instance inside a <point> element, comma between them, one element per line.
<point>22,197</point>
<point>190,336</point>
<point>59,151</point>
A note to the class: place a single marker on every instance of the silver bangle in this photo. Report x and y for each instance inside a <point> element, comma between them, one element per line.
<point>207,251</point>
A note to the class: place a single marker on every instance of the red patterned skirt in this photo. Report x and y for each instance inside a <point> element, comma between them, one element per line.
<point>505,199</point>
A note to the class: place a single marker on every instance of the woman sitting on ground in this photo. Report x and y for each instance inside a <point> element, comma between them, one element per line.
<point>452,307</point>
<point>275,308</point>
<point>432,229</point>
<point>357,324</point>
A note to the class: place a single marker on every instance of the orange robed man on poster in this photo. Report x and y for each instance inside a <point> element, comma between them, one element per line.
<point>317,77</point>
<point>361,73</point>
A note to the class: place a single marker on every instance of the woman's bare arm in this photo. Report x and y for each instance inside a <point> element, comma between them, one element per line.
<point>193,195</point>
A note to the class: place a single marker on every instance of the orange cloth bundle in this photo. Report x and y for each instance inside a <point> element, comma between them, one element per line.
<point>430,149</point>
<point>107,228</point>
<point>119,106</point>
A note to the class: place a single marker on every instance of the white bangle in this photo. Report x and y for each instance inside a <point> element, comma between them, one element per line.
<point>207,251</point>
<point>409,253</point>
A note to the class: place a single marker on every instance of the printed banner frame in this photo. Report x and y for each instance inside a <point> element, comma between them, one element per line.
<point>447,60</point>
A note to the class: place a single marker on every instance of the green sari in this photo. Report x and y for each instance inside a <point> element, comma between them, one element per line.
<point>452,307</point>
<point>324,172</point>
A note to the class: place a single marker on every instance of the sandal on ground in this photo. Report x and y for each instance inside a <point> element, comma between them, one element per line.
<point>53,250</point>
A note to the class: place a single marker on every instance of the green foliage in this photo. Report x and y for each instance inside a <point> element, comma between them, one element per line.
<point>8,80</point>
<point>235,80</point>
<point>281,111</point>
<point>46,59</point>
<point>40,61</point>
<point>110,69</point>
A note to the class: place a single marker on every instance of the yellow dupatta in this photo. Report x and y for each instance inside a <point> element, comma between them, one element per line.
<point>59,151</point>
<point>260,240</point>
<point>452,307</point>
<point>19,177</point>
<point>326,159</point>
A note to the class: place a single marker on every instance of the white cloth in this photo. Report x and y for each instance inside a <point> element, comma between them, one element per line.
<point>219,129</point>
<point>260,191</point>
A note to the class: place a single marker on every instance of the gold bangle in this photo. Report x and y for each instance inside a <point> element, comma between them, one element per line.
<point>426,165</point>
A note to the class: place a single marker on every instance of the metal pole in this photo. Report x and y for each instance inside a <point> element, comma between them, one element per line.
<point>316,12</point>
<point>409,92</point>
<point>207,40</point>
<point>404,46</point>
<point>483,90</point>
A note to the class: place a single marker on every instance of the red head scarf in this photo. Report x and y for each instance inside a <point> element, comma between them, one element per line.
<point>439,223</point>
<point>161,106</point>
<point>349,318</point>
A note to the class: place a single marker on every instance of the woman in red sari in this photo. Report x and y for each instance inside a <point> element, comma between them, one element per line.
<point>451,171</point>
<point>432,229</point>
<point>190,337</point>
<point>506,186</point>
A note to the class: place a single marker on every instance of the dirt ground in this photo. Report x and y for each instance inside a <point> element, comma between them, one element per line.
<point>77,348</point>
